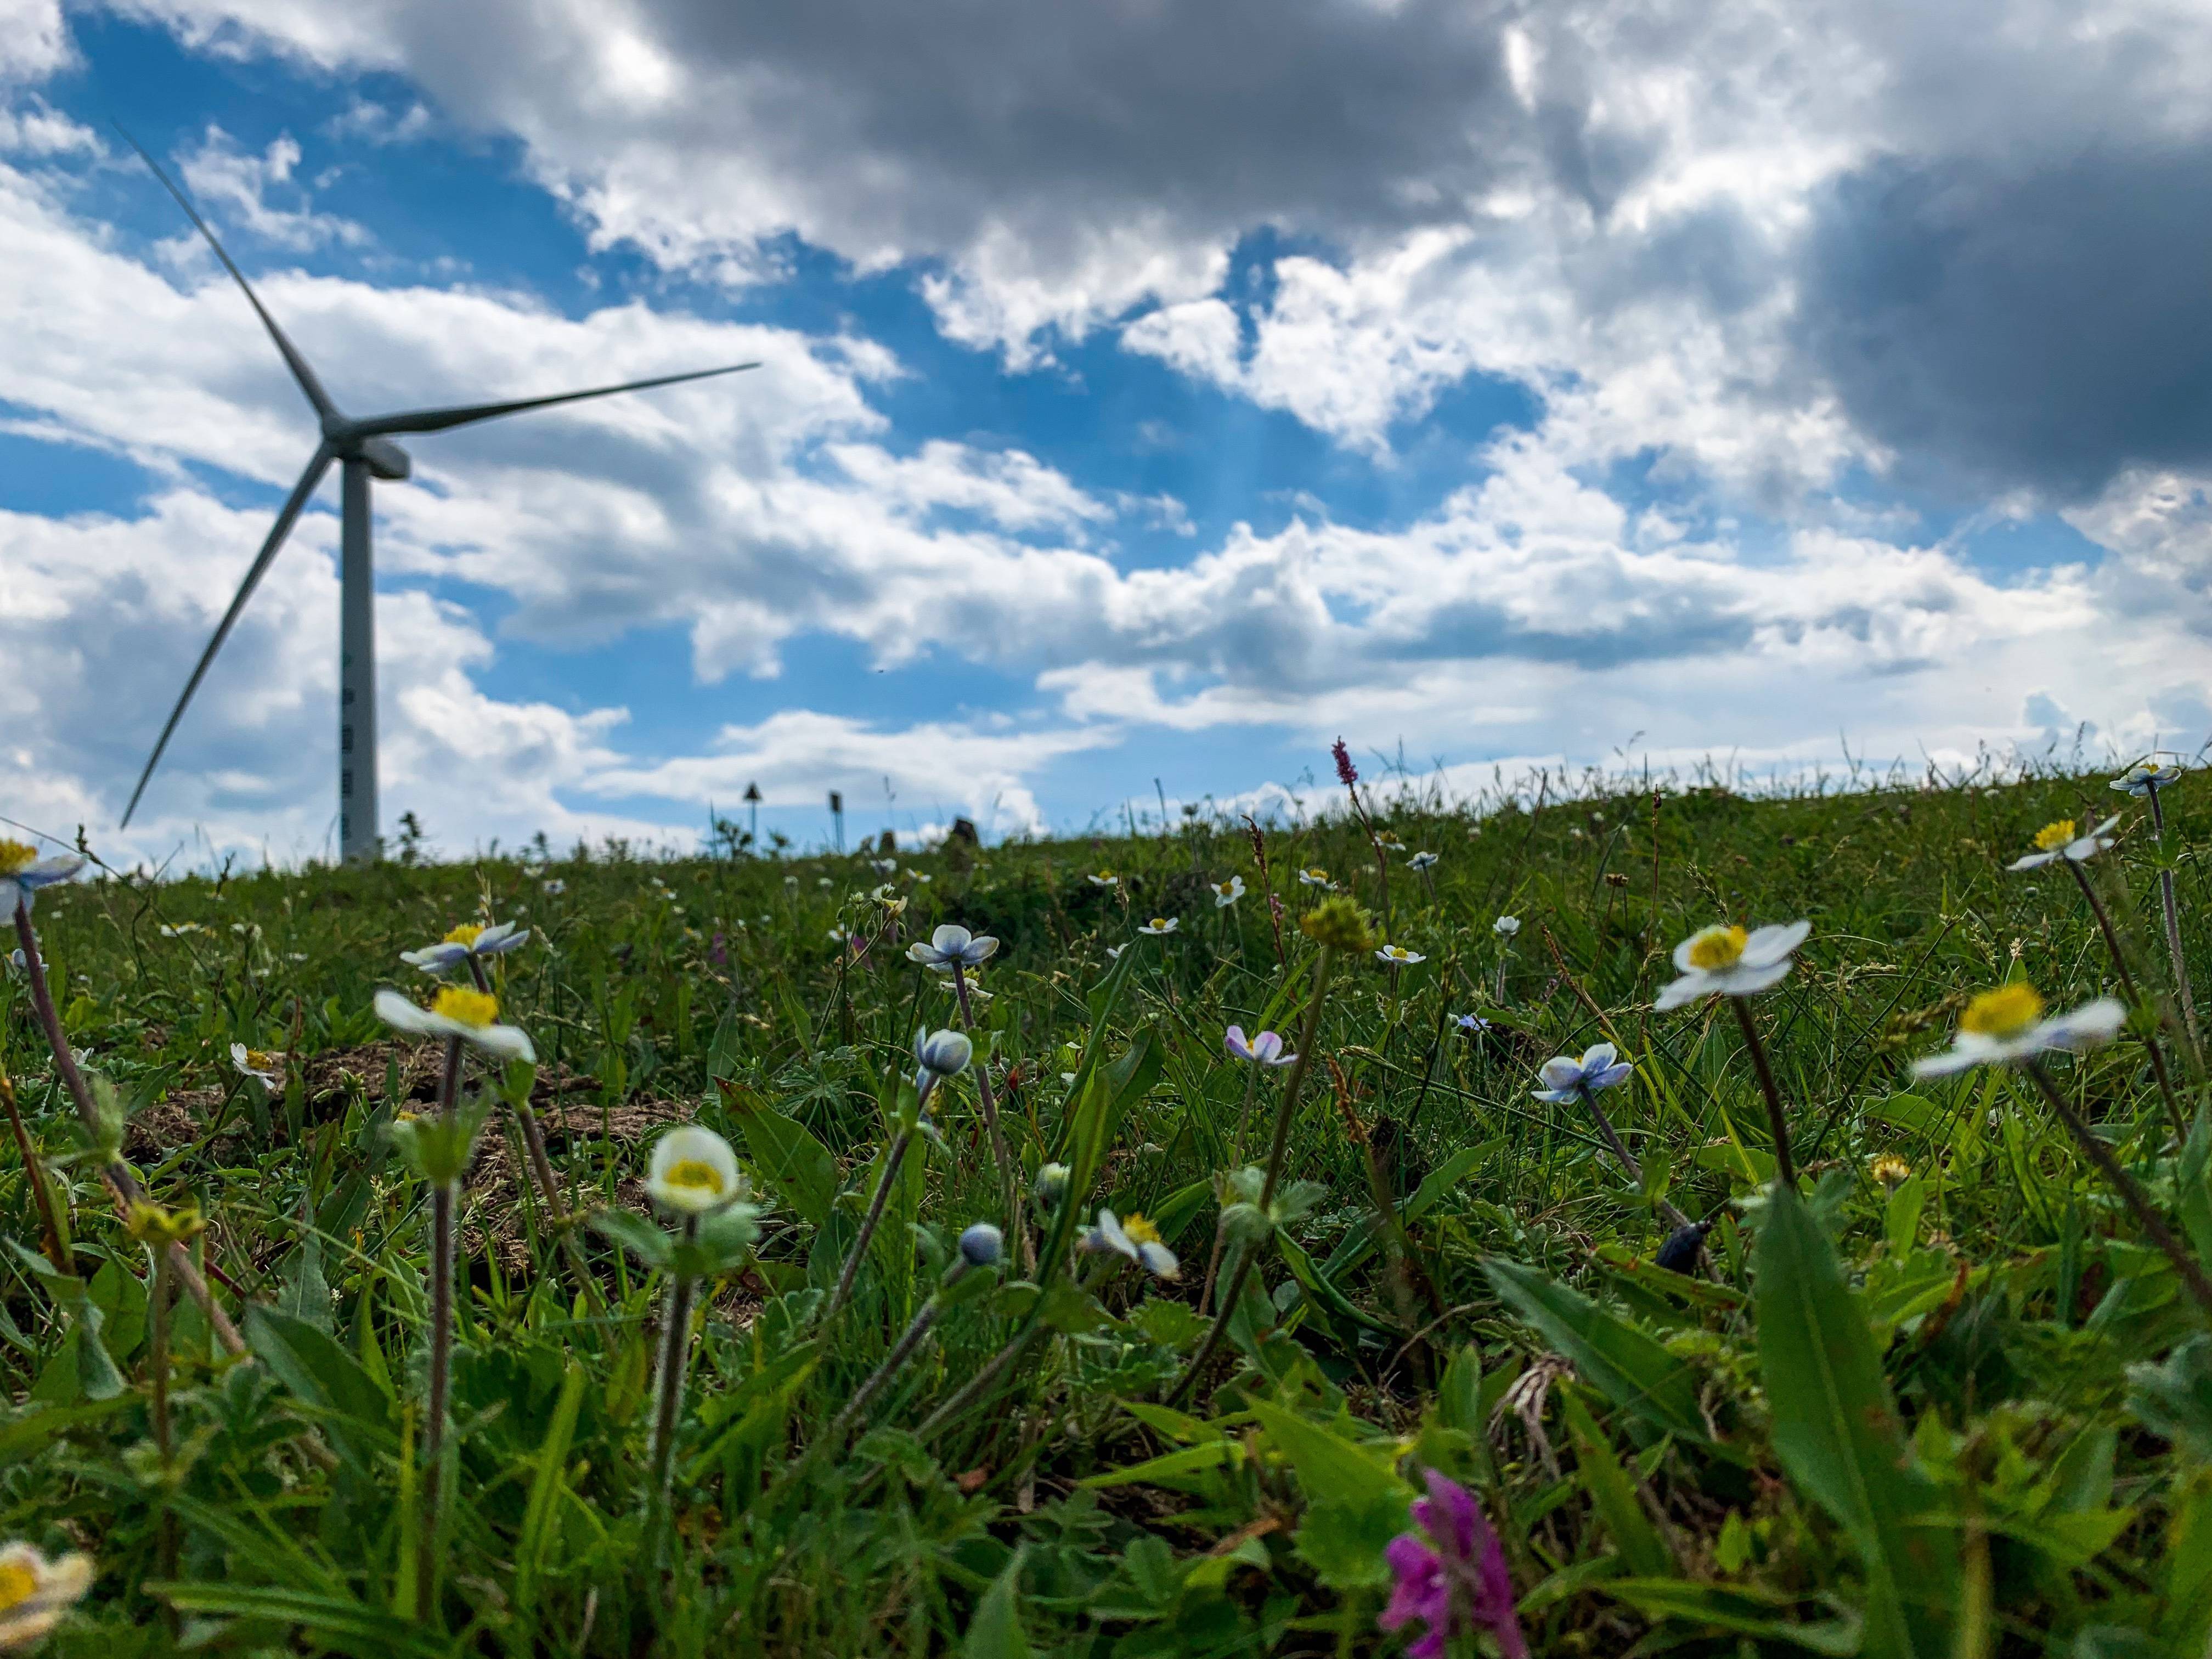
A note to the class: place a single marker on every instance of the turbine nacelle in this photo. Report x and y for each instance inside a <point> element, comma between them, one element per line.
<point>385,458</point>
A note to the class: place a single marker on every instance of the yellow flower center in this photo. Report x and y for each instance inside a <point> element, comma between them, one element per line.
<point>16,855</point>
<point>1717,947</point>
<point>2052,836</point>
<point>466,1007</point>
<point>693,1172</point>
<point>2004,1013</point>
<point>1140,1231</point>
<point>1317,874</point>
<point>260,1058</point>
<point>18,1581</point>
<point>467,933</point>
<point>1159,924</point>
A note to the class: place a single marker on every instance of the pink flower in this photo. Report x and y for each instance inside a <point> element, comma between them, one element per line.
<point>1454,1581</point>
<point>1346,773</point>
<point>1265,1049</point>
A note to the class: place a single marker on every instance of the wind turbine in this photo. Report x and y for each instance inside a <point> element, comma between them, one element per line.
<point>363,450</point>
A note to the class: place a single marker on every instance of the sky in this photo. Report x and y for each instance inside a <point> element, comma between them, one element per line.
<point>1150,392</point>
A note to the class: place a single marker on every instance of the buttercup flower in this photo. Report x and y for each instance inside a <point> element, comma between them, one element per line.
<point>1136,1238</point>
<point>952,944</point>
<point>1506,927</point>
<point>980,1245</point>
<point>467,940</point>
<point>1723,961</point>
<point>1226,893</point>
<point>22,872</point>
<point>457,1012</point>
<point>1265,1049</point>
<point>1161,925</point>
<point>1566,1078</point>
<point>34,1593</point>
<point>2142,777</point>
<point>1451,1575</point>
<point>255,1063</point>
<point>1421,861</point>
<point>2007,1023</point>
<point>1397,955</point>
<point>1315,877</point>
<point>2058,841</point>
<point>1889,1168</point>
<point>693,1171</point>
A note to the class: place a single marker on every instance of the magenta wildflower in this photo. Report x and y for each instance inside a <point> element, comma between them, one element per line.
<point>1346,773</point>
<point>1454,1580</point>
<point>717,954</point>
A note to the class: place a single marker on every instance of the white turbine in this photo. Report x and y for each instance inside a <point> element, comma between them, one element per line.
<point>363,449</point>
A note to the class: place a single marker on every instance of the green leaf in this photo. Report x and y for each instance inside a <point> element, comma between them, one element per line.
<point>1344,1541</point>
<point>636,1235</point>
<point>332,1620</point>
<point>548,1477</point>
<point>1332,1468</point>
<point>1311,1281</point>
<point>995,1631</point>
<point>1734,1611</point>
<point>1627,1364</point>
<point>787,1156</point>
<point>1173,1468</point>
<point>319,1372</point>
<point>31,1434</point>
<point>1836,1430</point>
<point>1612,1494</point>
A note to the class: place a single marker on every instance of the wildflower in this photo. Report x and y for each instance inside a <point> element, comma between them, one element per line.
<point>1136,1238</point>
<point>1105,879</point>
<point>22,872</point>
<point>1471,1024</point>
<point>457,1012</point>
<point>980,1245</point>
<point>1889,1168</point>
<point>1051,1184</point>
<point>1566,1078</point>
<point>1226,893</point>
<point>2142,778</point>
<point>1397,955</point>
<point>1454,1580</point>
<point>1346,773</point>
<point>2007,1023</point>
<point>824,881</point>
<point>975,992</point>
<point>1421,861</point>
<point>555,887</point>
<point>258,1065</point>
<point>952,945</point>
<point>1724,961</point>
<point>1315,877</point>
<point>2057,840</point>
<point>1265,1049</point>
<point>1114,953</point>
<point>1338,924</point>
<point>34,1593</point>
<point>1506,927</point>
<point>468,941</point>
<point>181,929</point>
<point>938,1055</point>
<point>1159,925</point>
<point>693,1171</point>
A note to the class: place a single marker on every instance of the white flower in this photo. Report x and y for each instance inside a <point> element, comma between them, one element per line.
<point>1723,961</point>
<point>1226,893</point>
<point>837,935</point>
<point>1105,879</point>
<point>950,944</point>
<point>2142,777</point>
<point>556,886</point>
<point>464,942</point>
<point>1314,876</point>
<point>885,866</point>
<point>1397,955</point>
<point>976,991</point>
<point>34,1593</point>
<point>1566,1078</point>
<point>181,929</point>
<point>1421,860</point>
<point>1136,1238</point>
<point>916,875</point>
<point>1265,1049</point>
<point>1159,925</point>
<point>457,1012</point>
<point>257,1065</point>
<point>1506,927</point>
<point>694,1171</point>
<point>938,1055</point>
<point>2007,1023</point>
<point>2058,841</point>
<point>22,872</point>
<point>824,881</point>
<point>1114,953</point>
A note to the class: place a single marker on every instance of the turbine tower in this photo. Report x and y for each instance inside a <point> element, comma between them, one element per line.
<point>363,450</point>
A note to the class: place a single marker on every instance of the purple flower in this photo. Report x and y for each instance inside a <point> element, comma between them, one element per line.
<point>1265,1049</point>
<point>1346,773</point>
<point>1454,1580</point>
<point>717,954</point>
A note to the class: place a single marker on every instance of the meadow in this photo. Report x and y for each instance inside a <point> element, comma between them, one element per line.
<point>679,1334</point>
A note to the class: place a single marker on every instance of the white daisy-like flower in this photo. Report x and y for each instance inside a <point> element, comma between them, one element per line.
<point>181,929</point>
<point>457,1012</point>
<point>468,941</point>
<point>1724,961</point>
<point>263,1067</point>
<point>2058,841</point>
<point>1314,876</point>
<point>1226,893</point>
<point>555,887</point>
<point>976,991</point>
<point>1397,955</point>
<point>1566,1078</point>
<point>2144,777</point>
<point>885,866</point>
<point>693,1171</point>
<point>1136,1238</point>
<point>22,872</point>
<point>2007,1023</point>
<point>837,935</point>
<point>951,944</point>
<point>1422,861</point>
<point>35,1593</point>
<point>1265,1049</point>
<point>1159,925</point>
<point>1506,927</point>
<point>1105,879</point>
<point>824,881</point>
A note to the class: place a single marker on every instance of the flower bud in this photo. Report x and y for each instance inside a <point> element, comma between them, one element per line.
<point>1338,924</point>
<point>945,1053</point>
<point>1050,1187</point>
<point>980,1245</point>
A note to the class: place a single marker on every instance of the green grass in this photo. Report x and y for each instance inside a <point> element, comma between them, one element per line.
<point>1969,1417</point>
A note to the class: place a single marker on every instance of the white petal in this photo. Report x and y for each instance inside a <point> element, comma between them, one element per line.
<point>1561,1071</point>
<point>2085,1027</point>
<point>1774,942</point>
<point>401,1014</point>
<point>949,939</point>
<point>2031,862</point>
<point>1687,990</point>
<point>507,1042</point>
<point>1597,1057</point>
<point>1110,1230</point>
<point>1743,980</point>
<point>1944,1065</point>
<point>1160,1259</point>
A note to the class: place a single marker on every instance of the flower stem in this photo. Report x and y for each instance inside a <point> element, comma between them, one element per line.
<point>2172,909</point>
<point>1284,1113</point>
<point>443,1196</point>
<point>2134,995</point>
<point>675,1362</point>
<point>122,1186</point>
<point>34,1171</point>
<point>851,1267</point>
<point>1785,1166</point>
<point>157,1359</point>
<point>2131,1193</point>
<point>1007,1175</point>
<point>893,1361</point>
<point>1622,1155</point>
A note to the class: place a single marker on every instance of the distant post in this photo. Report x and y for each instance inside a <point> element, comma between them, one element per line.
<point>753,801</point>
<point>838,818</point>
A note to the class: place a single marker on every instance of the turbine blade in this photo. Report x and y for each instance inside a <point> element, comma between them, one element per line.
<point>438,420</point>
<point>293,360</point>
<point>286,517</point>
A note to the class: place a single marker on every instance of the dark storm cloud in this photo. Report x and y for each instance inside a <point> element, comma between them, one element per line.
<point>2043,326</point>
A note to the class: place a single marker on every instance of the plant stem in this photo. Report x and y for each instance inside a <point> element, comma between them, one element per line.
<point>157,1344</point>
<point>851,1267</point>
<point>1785,1166</point>
<point>442,1204</point>
<point>34,1172</point>
<point>1623,1156</point>
<point>1007,1175</point>
<point>1284,1113</point>
<point>122,1186</point>
<point>675,1362</point>
<point>2172,909</point>
<point>900,1354</point>
<point>2134,995</point>
<point>2131,1193</point>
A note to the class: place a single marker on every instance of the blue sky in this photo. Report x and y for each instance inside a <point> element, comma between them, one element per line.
<point>1145,396</point>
